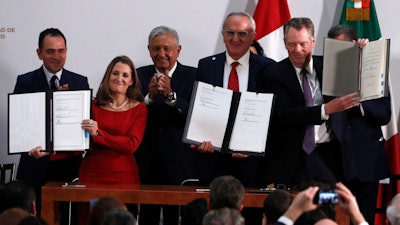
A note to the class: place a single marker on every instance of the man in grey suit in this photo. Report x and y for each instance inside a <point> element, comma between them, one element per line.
<point>36,167</point>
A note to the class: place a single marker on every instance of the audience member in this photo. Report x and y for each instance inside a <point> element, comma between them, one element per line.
<point>393,211</point>
<point>193,212</point>
<point>37,167</point>
<point>256,48</point>
<point>32,220</point>
<point>362,144</point>
<point>102,207</point>
<point>275,205</point>
<point>18,194</point>
<point>167,86</point>
<point>13,216</point>
<point>119,217</point>
<point>223,216</point>
<point>238,32</point>
<point>117,128</point>
<point>303,202</point>
<point>300,140</point>
<point>226,191</point>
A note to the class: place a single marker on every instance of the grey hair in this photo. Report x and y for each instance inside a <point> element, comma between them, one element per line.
<point>162,30</point>
<point>392,212</point>
<point>251,19</point>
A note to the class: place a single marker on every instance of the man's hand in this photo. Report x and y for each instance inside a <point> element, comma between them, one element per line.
<point>37,153</point>
<point>205,147</point>
<point>303,202</point>
<point>342,103</point>
<point>153,87</point>
<point>362,42</point>
<point>164,83</point>
<point>348,204</point>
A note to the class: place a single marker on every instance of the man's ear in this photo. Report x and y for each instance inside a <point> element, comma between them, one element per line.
<point>208,205</point>
<point>240,208</point>
<point>264,220</point>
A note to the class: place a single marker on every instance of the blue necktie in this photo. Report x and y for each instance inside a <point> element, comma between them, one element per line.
<point>309,137</point>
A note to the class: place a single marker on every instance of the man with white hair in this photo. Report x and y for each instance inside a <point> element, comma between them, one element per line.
<point>393,211</point>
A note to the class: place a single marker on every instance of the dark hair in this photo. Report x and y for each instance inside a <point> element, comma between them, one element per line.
<point>102,207</point>
<point>257,46</point>
<point>32,220</point>
<point>53,32</point>
<point>194,211</point>
<point>133,91</point>
<point>226,191</point>
<point>119,217</point>
<point>17,194</point>
<point>223,216</point>
<point>276,204</point>
<point>299,23</point>
<point>347,30</point>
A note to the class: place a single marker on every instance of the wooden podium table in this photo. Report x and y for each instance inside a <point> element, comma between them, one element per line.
<point>53,193</point>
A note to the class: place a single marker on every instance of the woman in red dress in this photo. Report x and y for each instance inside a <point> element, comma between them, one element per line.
<point>118,125</point>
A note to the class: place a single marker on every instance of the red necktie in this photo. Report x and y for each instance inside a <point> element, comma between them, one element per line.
<point>233,82</point>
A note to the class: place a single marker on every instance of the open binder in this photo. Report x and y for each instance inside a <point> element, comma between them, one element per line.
<point>348,68</point>
<point>48,119</point>
<point>233,121</point>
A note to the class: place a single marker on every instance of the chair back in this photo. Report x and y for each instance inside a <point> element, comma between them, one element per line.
<point>4,168</point>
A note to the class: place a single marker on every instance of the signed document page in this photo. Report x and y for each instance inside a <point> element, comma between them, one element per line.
<point>251,124</point>
<point>69,109</point>
<point>209,114</point>
<point>26,121</point>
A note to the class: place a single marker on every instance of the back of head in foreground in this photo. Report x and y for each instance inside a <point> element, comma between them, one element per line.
<point>393,211</point>
<point>275,205</point>
<point>119,217</point>
<point>18,194</point>
<point>102,207</point>
<point>226,191</point>
<point>223,216</point>
<point>194,211</point>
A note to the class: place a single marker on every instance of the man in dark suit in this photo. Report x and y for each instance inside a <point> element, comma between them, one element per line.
<point>238,34</point>
<point>360,135</point>
<point>36,167</point>
<point>167,86</point>
<point>295,124</point>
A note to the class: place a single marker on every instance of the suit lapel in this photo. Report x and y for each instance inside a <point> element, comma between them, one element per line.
<point>40,80</point>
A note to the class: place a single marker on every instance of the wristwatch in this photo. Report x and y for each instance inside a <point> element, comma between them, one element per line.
<point>170,96</point>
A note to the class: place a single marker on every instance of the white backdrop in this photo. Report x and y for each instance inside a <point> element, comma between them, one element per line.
<point>97,31</point>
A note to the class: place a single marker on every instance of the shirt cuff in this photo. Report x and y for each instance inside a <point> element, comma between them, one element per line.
<point>323,115</point>
<point>364,223</point>
<point>285,220</point>
<point>147,99</point>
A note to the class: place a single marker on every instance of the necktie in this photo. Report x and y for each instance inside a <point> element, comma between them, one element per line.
<point>309,138</point>
<point>233,82</point>
<point>54,83</point>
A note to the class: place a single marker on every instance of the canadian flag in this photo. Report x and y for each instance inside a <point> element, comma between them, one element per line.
<point>270,15</point>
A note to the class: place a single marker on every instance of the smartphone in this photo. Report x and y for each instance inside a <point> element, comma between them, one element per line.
<point>326,197</point>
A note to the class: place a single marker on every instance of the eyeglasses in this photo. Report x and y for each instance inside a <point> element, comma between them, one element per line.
<point>231,33</point>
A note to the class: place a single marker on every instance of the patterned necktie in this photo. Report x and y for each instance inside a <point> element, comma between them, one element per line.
<point>309,137</point>
<point>54,83</point>
<point>233,82</point>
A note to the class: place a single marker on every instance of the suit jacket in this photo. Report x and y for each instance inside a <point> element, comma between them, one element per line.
<point>362,147</point>
<point>285,156</point>
<point>29,168</point>
<point>211,70</point>
<point>164,131</point>
<point>361,140</point>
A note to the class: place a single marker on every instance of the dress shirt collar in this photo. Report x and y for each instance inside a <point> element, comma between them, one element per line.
<point>170,72</point>
<point>49,74</point>
<point>309,68</point>
<point>244,60</point>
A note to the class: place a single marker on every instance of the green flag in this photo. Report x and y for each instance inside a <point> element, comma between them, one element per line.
<point>361,15</point>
